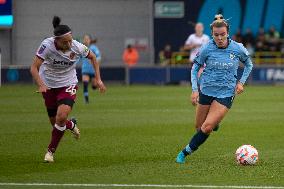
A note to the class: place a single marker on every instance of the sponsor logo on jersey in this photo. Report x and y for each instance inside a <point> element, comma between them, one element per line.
<point>62,63</point>
<point>41,49</point>
<point>221,65</point>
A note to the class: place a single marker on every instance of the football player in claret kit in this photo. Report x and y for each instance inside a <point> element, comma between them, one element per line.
<point>54,71</point>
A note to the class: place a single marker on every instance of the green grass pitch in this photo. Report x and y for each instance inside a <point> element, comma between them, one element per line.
<point>131,135</point>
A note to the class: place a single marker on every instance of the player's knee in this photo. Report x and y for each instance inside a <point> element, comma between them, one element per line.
<point>197,127</point>
<point>207,128</point>
<point>61,117</point>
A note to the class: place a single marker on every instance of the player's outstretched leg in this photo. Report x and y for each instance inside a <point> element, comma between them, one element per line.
<point>56,135</point>
<point>215,115</point>
<point>72,126</point>
<point>58,129</point>
<point>198,139</point>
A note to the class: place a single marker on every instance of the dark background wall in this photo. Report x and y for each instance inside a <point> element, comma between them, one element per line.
<point>242,14</point>
<point>111,21</point>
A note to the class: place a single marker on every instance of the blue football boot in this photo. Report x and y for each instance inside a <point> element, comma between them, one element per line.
<point>180,158</point>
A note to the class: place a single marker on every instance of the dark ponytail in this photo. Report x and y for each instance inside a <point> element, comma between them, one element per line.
<point>56,21</point>
<point>59,30</point>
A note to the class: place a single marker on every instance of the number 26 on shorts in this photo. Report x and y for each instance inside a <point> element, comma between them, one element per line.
<point>71,89</point>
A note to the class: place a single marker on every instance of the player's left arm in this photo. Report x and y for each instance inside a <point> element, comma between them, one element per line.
<point>92,57</point>
<point>86,52</point>
<point>245,59</point>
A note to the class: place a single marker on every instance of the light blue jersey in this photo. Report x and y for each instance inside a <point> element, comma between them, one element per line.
<point>87,67</point>
<point>219,78</point>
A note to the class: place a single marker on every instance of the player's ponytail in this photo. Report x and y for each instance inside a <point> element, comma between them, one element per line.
<point>219,21</point>
<point>56,21</point>
<point>59,30</point>
<point>219,17</point>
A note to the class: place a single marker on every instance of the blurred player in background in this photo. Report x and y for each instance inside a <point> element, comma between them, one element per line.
<point>54,71</point>
<point>88,72</point>
<point>218,82</point>
<point>195,41</point>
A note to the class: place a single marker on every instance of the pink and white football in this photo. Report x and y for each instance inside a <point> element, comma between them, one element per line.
<point>247,155</point>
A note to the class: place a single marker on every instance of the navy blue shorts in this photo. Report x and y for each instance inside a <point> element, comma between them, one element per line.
<point>207,100</point>
<point>91,75</point>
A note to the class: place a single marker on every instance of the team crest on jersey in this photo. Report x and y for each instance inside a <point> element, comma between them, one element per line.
<point>72,55</point>
<point>197,54</point>
<point>40,51</point>
<point>86,49</point>
<point>232,56</point>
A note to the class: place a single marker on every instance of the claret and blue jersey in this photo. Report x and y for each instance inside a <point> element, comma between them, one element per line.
<point>219,77</point>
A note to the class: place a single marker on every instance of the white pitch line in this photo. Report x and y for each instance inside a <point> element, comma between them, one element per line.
<point>140,185</point>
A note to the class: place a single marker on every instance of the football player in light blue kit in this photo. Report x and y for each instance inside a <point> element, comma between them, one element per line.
<point>218,82</point>
<point>88,72</point>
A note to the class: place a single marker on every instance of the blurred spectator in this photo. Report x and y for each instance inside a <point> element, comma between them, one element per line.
<point>272,39</point>
<point>195,41</point>
<point>165,55</point>
<point>250,49</point>
<point>181,57</point>
<point>261,44</point>
<point>130,56</point>
<point>238,36</point>
<point>248,38</point>
<point>282,47</point>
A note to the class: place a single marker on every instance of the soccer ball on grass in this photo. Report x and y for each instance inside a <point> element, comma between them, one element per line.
<point>246,155</point>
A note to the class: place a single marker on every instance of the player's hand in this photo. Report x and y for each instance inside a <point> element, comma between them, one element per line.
<point>42,89</point>
<point>194,98</point>
<point>101,86</point>
<point>239,88</point>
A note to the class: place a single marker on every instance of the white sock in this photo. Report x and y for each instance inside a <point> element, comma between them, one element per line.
<point>60,128</point>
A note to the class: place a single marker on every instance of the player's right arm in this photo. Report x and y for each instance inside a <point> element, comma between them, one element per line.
<point>194,80</point>
<point>189,44</point>
<point>198,62</point>
<point>34,71</point>
<point>41,55</point>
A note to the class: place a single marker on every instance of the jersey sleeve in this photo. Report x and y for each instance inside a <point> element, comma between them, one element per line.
<point>201,56</point>
<point>198,62</point>
<point>43,50</point>
<point>81,48</point>
<point>189,40</point>
<point>97,52</point>
<point>245,59</point>
<point>244,54</point>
